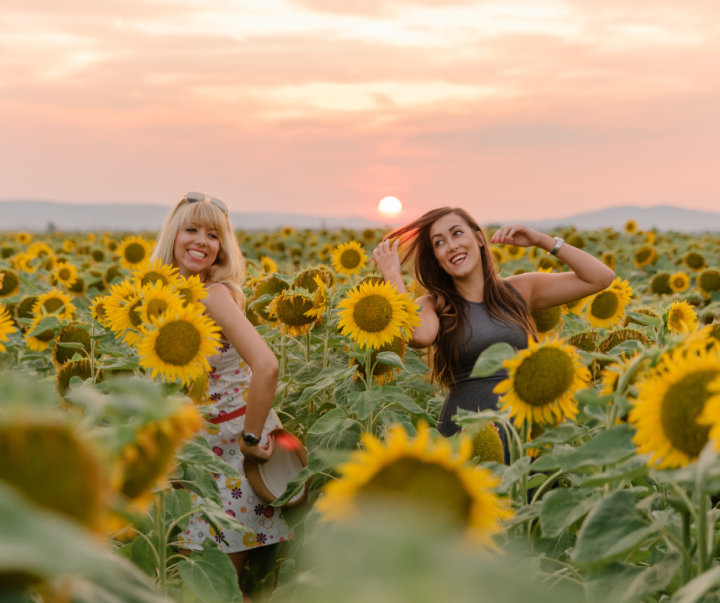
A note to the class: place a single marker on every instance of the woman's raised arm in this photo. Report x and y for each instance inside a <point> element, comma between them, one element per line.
<point>388,262</point>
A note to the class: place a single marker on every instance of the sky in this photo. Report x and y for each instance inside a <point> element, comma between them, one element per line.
<point>513,109</point>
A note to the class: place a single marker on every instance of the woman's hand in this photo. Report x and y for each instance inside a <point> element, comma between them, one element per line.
<point>518,235</point>
<point>259,453</point>
<point>387,259</point>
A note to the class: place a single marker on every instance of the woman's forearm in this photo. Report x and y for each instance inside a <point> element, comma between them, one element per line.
<point>261,395</point>
<point>586,267</point>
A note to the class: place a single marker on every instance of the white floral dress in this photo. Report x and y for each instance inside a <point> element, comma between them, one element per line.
<point>229,380</point>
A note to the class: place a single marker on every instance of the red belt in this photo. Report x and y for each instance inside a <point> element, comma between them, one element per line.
<point>232,415</point>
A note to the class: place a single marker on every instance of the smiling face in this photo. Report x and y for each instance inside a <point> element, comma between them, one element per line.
<point>456,245</point>
<point>196,248</point>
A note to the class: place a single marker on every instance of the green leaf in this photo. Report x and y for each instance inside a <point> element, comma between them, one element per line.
<point>611,530</point>
<point>697,587</point>
<point>648,321</point>
<point>414,365</point>
<point>561,508</point>
<point>46,324</point>
<point>625,583</point>
<point>71,344</point>
<point>558,435</point>
<point>514,473</point>
<point>607,448</point>
<point>312,392</point>
<point>592,397</point>
<point>363,404</point>
<point>536,480</point>
<point>199,480</point>
<point>335,430</point>
<point>391,359</point>
<point>144,556</point>
<point>492,359</point>
<point>466,418</point>
<point>524,514</point>
<point>177,504</point>
<point>198,452</point>
<point>211,577</point>
<point>216,515</point>
<point>635,466</point>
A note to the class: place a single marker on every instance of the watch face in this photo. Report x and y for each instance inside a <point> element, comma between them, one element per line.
<point>250,439</point>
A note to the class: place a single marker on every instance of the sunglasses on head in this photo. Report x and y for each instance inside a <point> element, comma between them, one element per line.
<point>197,197</point>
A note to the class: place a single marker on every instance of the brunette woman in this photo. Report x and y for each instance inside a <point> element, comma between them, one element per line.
<point>469,307</point>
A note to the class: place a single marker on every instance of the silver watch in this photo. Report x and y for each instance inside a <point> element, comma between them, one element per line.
<point>558,245</point>
<point>249,438</point>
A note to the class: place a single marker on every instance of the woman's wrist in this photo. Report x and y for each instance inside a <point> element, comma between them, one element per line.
<point>546,242</point>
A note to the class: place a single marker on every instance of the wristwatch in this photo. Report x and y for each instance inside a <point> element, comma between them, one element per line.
<point>249,438</point>
<point>558,244</point>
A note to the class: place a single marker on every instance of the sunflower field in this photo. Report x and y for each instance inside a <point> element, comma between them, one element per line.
<point>613,420</point>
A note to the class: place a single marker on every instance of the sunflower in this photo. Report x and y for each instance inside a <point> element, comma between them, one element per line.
<point>514,252</point>
<point>576,307</point>
<point>576,240</point>
<point>307,279</point>
<point>645,256</point>
<point>178,344</point>
<point>53,302</point>
<point>119,294</point>
<point>23,262</point>
<point>680,317</point>
<point>349,258</point>
<point>40,341</point>
<point>548,321</point>
<point>660,284</point>
<point>708,282</point>
<point>156,300</point>
<point>669,404</point>
<point>650,238</point>
<point>542,380</point>
<point>498,254</point>
<point>586,341</point>
<point>6,326</point>
<point>487,445</point>
<point>608,259</point>
<point>111,274</point>
<point>319,301</point>
<point>68,245</point>
<point>133,251</point>
<point>630,226</point>
<point>679,282</point>
<point>65,273</point>
<point>148,458</point>
<point>293,309</point>
<point>268,265</point>
<point>70,334</point>
<point>607,308</point>
<point>192,289</point>
<point>152,272</point>
<point>10,283</point>
<point>97,309</point>
<point>383,373</point>
<point>373,314</point>
<point>270,285</point>
<point>422,474</point>
<point>694,261</point>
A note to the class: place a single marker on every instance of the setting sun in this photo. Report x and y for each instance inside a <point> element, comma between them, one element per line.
<point>390,206</point>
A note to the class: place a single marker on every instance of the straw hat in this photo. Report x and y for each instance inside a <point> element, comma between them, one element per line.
<point>270,479</point>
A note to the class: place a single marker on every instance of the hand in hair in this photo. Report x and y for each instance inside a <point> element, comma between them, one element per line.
<point>387,259</point>
<point>518,235</point>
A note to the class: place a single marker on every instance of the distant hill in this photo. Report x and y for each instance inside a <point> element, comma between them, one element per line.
<point>662,217</point>
<point>36,216</point>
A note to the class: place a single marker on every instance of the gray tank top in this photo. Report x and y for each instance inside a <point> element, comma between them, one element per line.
<point>472,393</point>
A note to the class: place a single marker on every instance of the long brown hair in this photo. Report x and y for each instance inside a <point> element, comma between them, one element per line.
<point>500,301</point>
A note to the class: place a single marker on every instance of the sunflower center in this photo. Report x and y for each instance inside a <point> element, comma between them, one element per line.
<point>153,277</point>
<point>8,284</point>
<point>64,274</point>
<point>45,336</point>
<point>187,295</point>
<point>605,305</point>
<point>373,313</point>
<point>710,281</point>
<point>292,311</point>
<point>695,260</point>
<point>643,254</point>
<point>407,479</point>
<point>156,307</point>
<point>681,405</point>
<point>98,255</point>
<point>679,281</point>
<point>134,253</point>
<point>178,343</point>
<point>659,284</point>
<point>134,315</point>
<point>350,258</point>
<point>53,304</point>
<point>547,319</point>
<point>543,377</point>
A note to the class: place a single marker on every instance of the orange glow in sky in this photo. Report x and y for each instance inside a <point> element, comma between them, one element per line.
<point>513,109</point>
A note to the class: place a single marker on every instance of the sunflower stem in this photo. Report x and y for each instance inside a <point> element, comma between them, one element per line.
<point>92,351</point>
<point>686,567</point>
<point>307,347</point>
<point>159,520</point>
<point>702,533</point>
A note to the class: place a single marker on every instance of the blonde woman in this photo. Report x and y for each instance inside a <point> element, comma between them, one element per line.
<point>198,239</point>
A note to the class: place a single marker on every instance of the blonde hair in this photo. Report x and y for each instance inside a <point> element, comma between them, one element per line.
<point>229,266</point>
